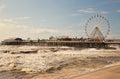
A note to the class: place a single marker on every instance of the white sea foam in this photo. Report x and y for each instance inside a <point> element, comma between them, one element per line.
<point>41,61</point>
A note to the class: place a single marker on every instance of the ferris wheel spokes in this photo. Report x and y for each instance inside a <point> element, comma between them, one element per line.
<point>101,23</point>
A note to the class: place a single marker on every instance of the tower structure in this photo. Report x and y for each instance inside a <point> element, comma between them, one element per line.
<point>96,34</point>
<point>97,28</point>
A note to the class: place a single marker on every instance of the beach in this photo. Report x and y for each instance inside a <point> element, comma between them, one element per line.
<point>108,73</point>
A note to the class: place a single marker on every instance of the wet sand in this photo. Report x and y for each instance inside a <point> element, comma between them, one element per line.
<point>72,70</point>
<point>12,75</point>
<point>108,73</point>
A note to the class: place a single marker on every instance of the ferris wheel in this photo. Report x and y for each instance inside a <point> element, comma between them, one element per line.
<point>98,22</point>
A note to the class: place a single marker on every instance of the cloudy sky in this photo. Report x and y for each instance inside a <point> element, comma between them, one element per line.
<point>44,18</point>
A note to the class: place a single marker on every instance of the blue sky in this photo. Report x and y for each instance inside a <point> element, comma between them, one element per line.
<point>44,18</point>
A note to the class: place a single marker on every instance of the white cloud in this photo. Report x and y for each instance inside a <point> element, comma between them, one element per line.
<point>75,14</point>
<point>42,30</point>
<point>23,18</point>
<point>118,10</point>
<point>2,6</point>
<point>7,20</point>
<point>87,10</point>
<point>104,12</point>
<point>12,28</point>
<point>49,32</point>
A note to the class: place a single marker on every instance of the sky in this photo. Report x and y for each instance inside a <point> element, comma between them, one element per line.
<point>44,18</point>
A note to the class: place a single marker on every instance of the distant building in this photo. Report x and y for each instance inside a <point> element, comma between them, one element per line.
<point>20,41</point>
<point>12,41</point>
<point>53,38</point>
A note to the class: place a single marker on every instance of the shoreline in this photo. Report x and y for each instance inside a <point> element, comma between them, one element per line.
<point>97,73</point>
<point>24,75</point>
<point>68,75</point>
<point>98,69</point>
